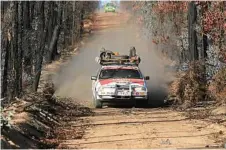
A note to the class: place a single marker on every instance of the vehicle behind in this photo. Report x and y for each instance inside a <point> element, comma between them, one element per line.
<point>109,7</point>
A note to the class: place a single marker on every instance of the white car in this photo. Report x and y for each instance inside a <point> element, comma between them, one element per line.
<point>119,83</point>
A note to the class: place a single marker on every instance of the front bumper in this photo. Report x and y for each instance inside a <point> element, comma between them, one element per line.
<point>110,10</point>
<point>113,98</point>
<point>122,93</point>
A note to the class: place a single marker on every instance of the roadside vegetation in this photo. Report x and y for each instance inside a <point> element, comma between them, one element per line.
<point>192,35</point>
<point>34,34</point>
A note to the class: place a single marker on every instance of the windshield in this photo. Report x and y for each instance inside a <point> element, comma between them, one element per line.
<point>120,73</point>
<point>109,5</point>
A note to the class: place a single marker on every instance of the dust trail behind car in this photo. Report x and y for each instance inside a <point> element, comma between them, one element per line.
<point>112,32</point>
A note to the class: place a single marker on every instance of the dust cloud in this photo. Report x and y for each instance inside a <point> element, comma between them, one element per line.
<point>73,80</point>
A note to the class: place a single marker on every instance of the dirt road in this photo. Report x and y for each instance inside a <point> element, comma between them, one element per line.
<point>129,127</point>
<point>144,128</point>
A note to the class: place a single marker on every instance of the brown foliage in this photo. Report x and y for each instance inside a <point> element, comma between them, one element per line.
<point>48,90</point>
<point>190,87</point>
<point>218,87</point>
<point>50,119</point>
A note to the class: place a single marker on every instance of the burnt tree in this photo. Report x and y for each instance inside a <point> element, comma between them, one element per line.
<point>27,53</point>
<point>52,53</point>
<point>14,54</point>
<point>5,49</point>
<point>192,35</point>
<point>31,31</point>
<point>43,37</point>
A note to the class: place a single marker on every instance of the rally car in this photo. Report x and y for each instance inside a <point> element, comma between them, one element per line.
<point>119,79</point>
<point>109,7</point>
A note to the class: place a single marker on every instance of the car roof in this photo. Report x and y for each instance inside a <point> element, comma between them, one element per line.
<point>120,67</point>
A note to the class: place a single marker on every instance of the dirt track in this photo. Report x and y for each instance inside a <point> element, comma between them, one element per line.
<point>144,128</point>
<point>129,127</point>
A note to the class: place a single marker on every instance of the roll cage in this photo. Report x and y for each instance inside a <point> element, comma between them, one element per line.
<point>108,57</point>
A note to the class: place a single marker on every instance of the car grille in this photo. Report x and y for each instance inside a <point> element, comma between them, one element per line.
<point>122,87</point>
<point>123,97</point>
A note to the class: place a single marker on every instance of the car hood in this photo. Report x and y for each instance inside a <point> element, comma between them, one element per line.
<point>112,82</point>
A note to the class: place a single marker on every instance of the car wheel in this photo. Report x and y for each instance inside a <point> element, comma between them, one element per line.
<point>97,103</point>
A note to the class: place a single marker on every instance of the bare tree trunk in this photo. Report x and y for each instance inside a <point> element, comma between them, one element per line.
<point>32,9</point>
<point>15,49</point>
<point>51,22</point>
<point>203,52</point>
<point>20,36</point>
<point>50,28</point>
<point>27,55</point>
<point>2,9</point>
<point>55,53</point>
<point>53,44</point>
<point>26,15</point>
<point>204,46</point>
<point>64,25</point>
<point>42,14</point>
<point>5,69</point>
<point>43,37</point>
<point>27,52</point>
<point>73,24</point>
<point>192,37</point>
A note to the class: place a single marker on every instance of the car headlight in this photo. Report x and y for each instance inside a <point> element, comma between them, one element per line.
<point>143,88</point>
<point>101,89</point>
<point>139,88</point>
<point>139,91</point>
<point>106,90</point>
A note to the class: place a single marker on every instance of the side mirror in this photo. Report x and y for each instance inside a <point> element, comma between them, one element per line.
<point>147,78</point>
<point>93,78</point>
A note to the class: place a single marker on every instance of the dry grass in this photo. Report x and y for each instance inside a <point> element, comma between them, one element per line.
<point>218,87</point>
<point>189,88</point>
<point>189,93</point>
<point>47,117</point>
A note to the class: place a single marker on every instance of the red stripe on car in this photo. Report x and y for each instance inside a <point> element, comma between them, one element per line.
<point>107,81</point>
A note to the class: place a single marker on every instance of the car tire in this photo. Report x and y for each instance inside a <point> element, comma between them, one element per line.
<point>97,103</point>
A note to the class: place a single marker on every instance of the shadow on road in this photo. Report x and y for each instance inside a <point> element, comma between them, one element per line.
<point>157,99</point>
